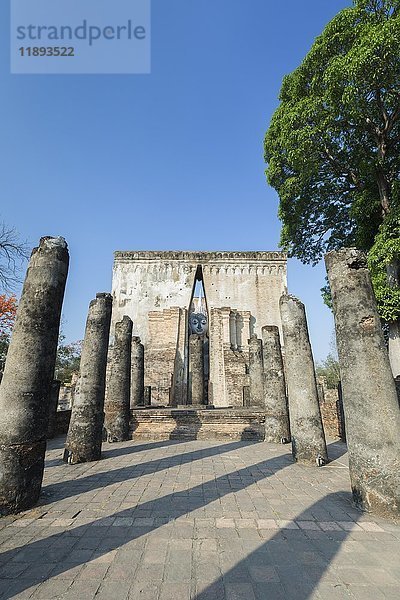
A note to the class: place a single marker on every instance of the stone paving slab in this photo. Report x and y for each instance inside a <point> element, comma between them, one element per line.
<point>197,521</point>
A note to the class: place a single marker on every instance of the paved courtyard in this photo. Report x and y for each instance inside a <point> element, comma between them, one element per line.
<point>198,520</point>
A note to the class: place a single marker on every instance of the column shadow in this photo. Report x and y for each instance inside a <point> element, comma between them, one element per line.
<point>72,487</point>
<point>110,452</point>
<point>34,562</point>
<point>291,564</point>
<point>336,450</point>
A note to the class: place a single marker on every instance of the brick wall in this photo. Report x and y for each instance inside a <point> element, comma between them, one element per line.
<point>331,413</point>
<point>165,358</point>
<point>206,424</point>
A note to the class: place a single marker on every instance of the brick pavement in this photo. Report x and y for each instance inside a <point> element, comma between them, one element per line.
<point>199,521</point>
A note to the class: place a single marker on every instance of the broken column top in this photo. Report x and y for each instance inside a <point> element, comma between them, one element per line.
<point>101,296</point>
<point>49,243</point>
<point>351,258</point>
<point>126,319</point>
<point>272,328</point>
<point>290,298</point>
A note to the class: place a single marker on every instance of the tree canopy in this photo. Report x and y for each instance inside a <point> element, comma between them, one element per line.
<point>68,359</point>
<point>333,145</point>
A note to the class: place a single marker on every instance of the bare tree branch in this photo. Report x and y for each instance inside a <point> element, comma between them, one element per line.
<point>13,253</point>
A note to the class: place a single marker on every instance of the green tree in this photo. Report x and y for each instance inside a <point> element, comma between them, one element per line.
<point>329,368</point>
<point>333,146</point>
<point>68,359</point>
<point>383,259</point>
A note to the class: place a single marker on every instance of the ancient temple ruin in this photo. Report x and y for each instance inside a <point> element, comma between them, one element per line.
<point>221,298</point>
<point>187,332</point>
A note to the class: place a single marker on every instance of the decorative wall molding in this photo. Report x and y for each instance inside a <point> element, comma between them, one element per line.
<point>200,258</point>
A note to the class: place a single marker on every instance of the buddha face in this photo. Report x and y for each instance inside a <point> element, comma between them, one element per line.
<point>198,323</point>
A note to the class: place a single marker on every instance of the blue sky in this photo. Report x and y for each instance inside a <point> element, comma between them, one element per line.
<point>170,160</point>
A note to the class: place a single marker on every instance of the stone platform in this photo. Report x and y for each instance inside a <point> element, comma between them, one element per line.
<point>222,424</point>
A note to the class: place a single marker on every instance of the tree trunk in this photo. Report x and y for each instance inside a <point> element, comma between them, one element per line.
<point>384,193</point>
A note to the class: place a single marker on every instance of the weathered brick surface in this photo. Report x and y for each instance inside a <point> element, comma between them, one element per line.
<point>206,424</point>
<point>229,356</point>
<point>166,356</point>
<point>236,375</point>
<point>330,409</point>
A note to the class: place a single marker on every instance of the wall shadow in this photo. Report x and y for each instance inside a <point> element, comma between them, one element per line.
<point>291,563</point>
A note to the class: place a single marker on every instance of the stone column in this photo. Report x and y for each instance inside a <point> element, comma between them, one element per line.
<point>277,428</point>
<point>117,406</point>
<point>394,347</point>
<point>240,331</point>
<point>307,433</point>
<point>246,396</point>
<point>28,373</point>
<point>217,393</point>
<point>232,330</point>
<point>85,431</point>
<point>137,373</point>
<point>256,372</point>
<point>147,395</point>
<point>196,369</point>
<point>225,313</point>
<point>369,393</point>
<point>246,316</point>
<point>393,276</point>
<point>53,405</point>
<point>179,381</point>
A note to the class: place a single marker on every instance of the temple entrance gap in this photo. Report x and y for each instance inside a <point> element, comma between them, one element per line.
<point>198,344</point>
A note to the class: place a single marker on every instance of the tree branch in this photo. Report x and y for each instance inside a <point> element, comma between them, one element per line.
<point>13,253</point>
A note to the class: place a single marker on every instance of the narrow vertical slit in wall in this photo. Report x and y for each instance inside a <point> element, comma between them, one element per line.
<point>198,324</point>
<point>198,306</point>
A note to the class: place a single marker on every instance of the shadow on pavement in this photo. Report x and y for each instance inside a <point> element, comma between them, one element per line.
<point>290,565</point>
<point>336,450</point>
<point>71,487</point>
<point>35,562</point>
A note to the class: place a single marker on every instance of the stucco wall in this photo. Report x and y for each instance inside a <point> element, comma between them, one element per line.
<point>148,281</point>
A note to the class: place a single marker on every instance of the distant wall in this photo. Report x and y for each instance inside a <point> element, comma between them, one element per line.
<point>166,424</point>
<point>331,413</point>
<point>153,288</point>
<point>150,281</point>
